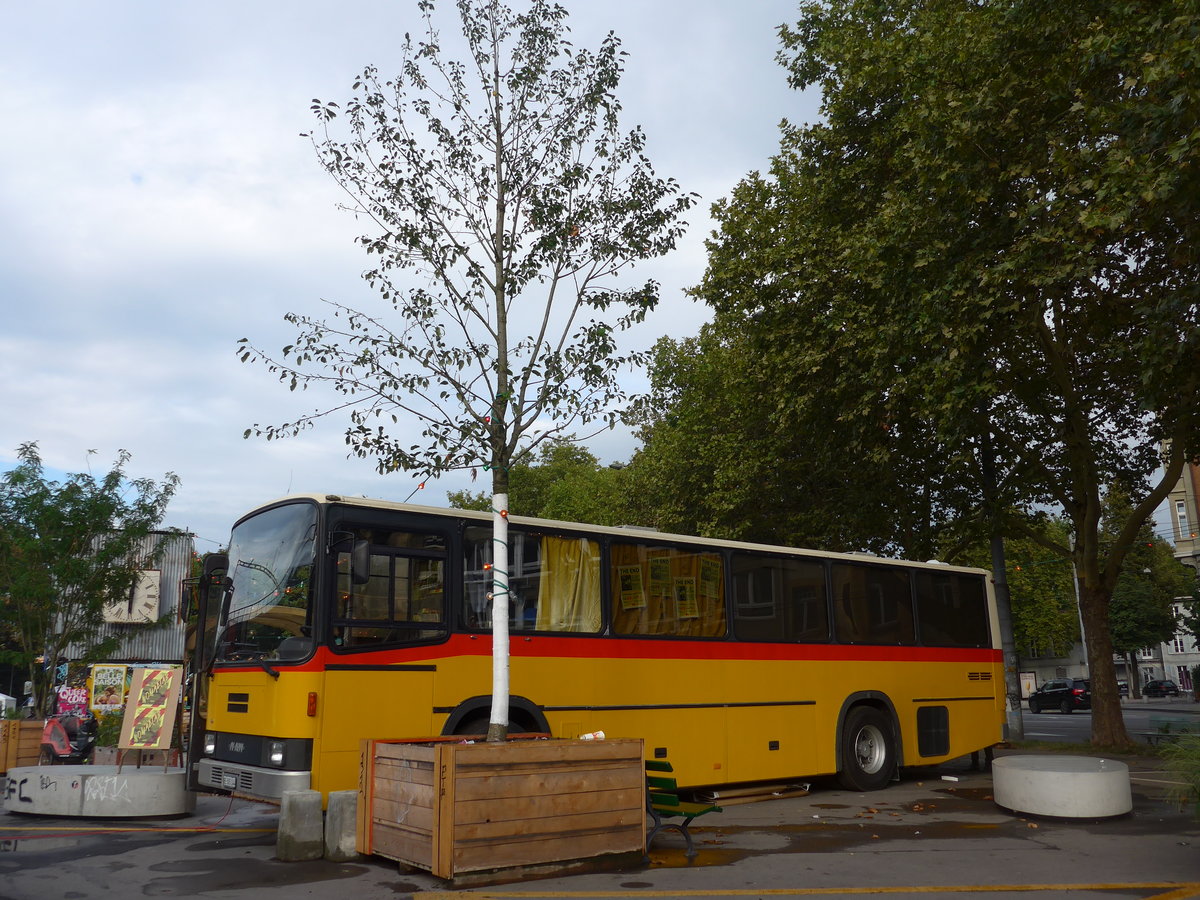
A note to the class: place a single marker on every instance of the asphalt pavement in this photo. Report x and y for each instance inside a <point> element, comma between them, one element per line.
<point>935,831</point>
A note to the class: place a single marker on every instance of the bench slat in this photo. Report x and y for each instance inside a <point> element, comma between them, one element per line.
<point>663,801</point>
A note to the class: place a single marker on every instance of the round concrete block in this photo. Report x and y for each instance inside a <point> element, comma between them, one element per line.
<point>98,791</point>
<point>1071,787</point>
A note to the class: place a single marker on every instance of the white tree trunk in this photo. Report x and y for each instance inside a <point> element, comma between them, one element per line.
<point>498,724</point>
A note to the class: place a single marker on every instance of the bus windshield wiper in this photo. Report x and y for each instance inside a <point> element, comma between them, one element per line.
<point>267,668</point>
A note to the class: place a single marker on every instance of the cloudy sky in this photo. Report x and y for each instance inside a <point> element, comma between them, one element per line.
<point>157,204</point>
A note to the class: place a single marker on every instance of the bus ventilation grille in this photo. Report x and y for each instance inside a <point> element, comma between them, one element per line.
<point>245,780</point>
<point>979,676</point>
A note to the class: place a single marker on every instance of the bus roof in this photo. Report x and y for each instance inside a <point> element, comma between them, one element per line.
<point>625,531</point>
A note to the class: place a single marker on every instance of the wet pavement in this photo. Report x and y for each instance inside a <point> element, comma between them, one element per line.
<point>937,831</point>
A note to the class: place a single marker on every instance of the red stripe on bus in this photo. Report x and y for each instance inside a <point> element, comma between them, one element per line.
<point>549,646</point>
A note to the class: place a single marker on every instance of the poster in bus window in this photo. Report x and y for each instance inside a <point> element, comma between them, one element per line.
<point>150,716</point>
<point>108,688</point>
<point>710,582</point>
<point>685,598</point>
<point>632,594</point>
<point>660,577</point>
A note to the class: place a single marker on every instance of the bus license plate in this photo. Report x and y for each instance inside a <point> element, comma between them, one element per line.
<point>229,781</point>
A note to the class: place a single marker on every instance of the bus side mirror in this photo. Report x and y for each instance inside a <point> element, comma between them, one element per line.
<point>360,562</point>
<point>214,564</point>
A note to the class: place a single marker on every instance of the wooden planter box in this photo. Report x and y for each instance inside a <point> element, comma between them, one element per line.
<point>452,808</point>
<point>20,742</point>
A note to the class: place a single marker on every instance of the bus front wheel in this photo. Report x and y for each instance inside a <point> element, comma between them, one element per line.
<point>868,755</point>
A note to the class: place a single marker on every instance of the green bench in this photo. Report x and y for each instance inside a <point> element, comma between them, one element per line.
<point>1169,728</point>
<point>663,802</point>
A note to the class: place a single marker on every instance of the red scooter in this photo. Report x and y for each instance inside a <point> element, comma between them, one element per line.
<point>68,739</point>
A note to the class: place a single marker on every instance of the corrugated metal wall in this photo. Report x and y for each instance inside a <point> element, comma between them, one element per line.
<point>163,643</point>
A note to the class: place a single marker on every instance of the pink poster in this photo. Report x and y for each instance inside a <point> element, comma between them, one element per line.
<point>72,700</point>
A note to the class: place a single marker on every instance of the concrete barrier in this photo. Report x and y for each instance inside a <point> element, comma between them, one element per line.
<point>301,827</point>
<point>98,791</point>
<point>341,826</point>
<point>1071,787</point>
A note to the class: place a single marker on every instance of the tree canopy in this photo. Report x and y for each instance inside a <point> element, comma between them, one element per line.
<point>503,200</point>
<point>564,481</point>
<point>986,249</point>
<point>67,550</point>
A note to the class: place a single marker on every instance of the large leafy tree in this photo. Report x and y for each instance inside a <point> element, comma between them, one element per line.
<point>728,453</point>
<point>563,481</point>
<point>1152,579</point>
<point>502,200</point>
<point>992,232</point>
<point>67,550</point>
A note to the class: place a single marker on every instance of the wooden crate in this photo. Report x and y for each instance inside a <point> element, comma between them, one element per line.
<point>20,742</point>
<point>452,808</point>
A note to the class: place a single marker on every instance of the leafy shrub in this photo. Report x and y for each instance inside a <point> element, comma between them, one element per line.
<point>1183,762</point>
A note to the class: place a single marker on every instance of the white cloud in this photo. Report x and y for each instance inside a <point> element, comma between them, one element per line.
<point>157,204</point>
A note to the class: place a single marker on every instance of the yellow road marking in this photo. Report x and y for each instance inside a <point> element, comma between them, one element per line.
<point>69,829</point>
<point>1178,892</point>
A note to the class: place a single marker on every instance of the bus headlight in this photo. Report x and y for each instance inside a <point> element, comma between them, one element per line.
<point>210,743</point>
<point>275,757</point>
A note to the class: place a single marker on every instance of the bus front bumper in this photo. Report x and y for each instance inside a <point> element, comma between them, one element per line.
<point>253,781</point>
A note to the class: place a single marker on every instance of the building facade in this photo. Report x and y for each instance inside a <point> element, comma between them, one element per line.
<point>1184,506</point>
<point>156,598</point>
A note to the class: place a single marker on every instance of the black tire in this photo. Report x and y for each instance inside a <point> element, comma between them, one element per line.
<point>1033,706</point>
<point>1065,707</point>
<point>868,755</point>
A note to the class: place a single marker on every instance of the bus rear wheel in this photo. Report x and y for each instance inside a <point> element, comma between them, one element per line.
<point>868,755</point>
<point>474,725</point>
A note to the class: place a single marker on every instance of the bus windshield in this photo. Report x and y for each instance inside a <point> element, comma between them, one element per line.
<point>271,563</point>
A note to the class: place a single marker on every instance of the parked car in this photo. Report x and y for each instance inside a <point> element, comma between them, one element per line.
<point>1064,694</point>
<point>1123,688</point>
<point>1160,689</point>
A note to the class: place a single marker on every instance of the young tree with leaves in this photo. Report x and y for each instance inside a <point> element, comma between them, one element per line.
<point>67,550</point>
<point>504,199</point>
<point>1152,579</point>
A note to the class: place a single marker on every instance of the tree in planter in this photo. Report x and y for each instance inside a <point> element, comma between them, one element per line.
<point>503,200</point>
<point>67,550</point>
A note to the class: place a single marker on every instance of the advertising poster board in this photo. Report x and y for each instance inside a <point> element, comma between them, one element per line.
<point>153,703</point>
<point>108,688</point>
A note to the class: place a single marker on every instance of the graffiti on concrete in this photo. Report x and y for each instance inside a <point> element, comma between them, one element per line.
<point>106,789</point>
<point>15,788</point>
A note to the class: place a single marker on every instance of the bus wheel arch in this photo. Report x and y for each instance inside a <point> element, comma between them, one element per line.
<point>523,715</point>
<point>869,749</point>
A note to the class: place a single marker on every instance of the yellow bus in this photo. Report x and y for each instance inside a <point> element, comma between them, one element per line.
<point>345,618</point>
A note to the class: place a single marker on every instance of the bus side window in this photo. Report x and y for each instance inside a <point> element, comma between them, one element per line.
<point>872,604</point>
<point>779,599</point>
<point>553,582</point>
<point>402,599</point>
<point>666,590</point>
<point>952,610</point>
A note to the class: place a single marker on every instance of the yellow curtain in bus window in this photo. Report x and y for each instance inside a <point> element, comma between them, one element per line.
<point>150,711</point>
